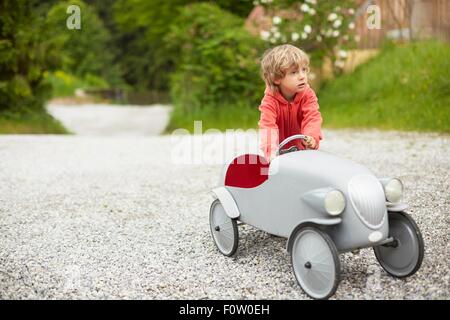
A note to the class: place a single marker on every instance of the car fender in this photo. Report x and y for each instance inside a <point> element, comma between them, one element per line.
<point>227,201</point>
<point>310,222</point>
<point>396,207</point>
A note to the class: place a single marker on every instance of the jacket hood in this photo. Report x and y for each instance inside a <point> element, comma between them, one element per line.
<point>279,97</point>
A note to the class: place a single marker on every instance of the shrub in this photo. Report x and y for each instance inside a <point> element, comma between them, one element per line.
<point>25,55</point>
<point>84,51</point>
<point>321,28</point>
<point>65,84</point>
<point>218,61</point>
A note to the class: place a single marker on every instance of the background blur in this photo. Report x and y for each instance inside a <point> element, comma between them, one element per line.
<point>375,64</point>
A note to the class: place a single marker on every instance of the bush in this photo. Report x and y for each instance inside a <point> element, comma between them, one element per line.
<point>85,51</point>
<point>140,28</point>
<point>65,84</point>
<point>218,61</point>
<point>25,55</point>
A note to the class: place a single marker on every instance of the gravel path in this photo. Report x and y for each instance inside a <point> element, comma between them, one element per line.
<point>112,217</point>
<point>112,120</point>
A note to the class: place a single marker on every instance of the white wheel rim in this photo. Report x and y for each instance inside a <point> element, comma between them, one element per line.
<point>318,280</point>
<point>224,236</point>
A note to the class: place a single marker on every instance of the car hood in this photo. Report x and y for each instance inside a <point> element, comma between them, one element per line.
<point>316,169</point>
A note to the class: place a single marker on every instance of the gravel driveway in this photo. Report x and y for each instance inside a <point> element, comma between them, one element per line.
<point>111,120</point>
<point>113,217</point>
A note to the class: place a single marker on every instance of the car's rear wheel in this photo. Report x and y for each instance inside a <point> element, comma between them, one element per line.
<point>224,230</point>
<point>315,262</point>
<point>402,257</point>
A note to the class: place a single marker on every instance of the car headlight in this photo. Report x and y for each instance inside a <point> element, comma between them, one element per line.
<point>334,202</point>
<point>393,190</point>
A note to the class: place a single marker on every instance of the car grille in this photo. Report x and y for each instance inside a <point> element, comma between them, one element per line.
<point>368,200</point>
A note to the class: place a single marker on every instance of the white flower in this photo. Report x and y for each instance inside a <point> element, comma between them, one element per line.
<point>351,25</point>
<point>311,1</point>
<point>304,35</point>
<point>264,35</point>
<point>295,36</point>
<point>351,11</point>
<point>304,7</point>
<point>336,33</point>
<point>273,40</point>
<point>276,20</point>
<point>332,16</point>
<point>307,28</point>
<point>312,11</point>
<point>339,64</point>
<point>337,9</point>
<point>337,23</point>
<point>329,33</point>
<point>263,1</point>
<point>319,37</point>
<point>277,35</point>
<point>273,29</point>
<point>343,54</point>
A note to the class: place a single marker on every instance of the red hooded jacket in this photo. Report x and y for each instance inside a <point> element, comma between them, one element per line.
<point>280,119</point>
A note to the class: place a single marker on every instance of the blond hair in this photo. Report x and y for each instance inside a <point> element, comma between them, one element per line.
<point>276,61</point>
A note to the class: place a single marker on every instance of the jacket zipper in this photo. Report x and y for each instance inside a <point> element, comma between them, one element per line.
<point>289,117</point>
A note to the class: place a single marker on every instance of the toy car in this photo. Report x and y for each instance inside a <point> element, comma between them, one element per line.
<point>325,205</point>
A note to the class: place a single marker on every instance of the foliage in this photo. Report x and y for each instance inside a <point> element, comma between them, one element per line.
<point>83,52</point>
<point>413,95</point>
<point>25,54</point>
<point>64,84</point>
<point>321,28</point>
<point>218,61</point>
<point>30,122</point>
<point>141,27</point>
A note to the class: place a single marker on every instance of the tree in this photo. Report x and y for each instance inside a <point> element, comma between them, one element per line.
<point>141,27</point>
<point>217,63</point>
<point>85,51</point>
<point>26,53</point>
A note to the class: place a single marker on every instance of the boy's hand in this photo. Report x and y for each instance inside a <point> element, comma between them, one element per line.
<point>309,142</point>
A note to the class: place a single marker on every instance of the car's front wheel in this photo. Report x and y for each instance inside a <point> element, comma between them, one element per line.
<point>402,257</point>
<point>315,262</point>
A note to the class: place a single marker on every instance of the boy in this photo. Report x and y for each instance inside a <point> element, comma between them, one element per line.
<point>289,105</point>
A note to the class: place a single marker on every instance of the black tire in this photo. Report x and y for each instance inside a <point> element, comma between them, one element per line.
<point>224,230</point>
<point>406,258</point>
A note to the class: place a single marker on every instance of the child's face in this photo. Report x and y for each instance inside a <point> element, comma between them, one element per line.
<point>295,80</point>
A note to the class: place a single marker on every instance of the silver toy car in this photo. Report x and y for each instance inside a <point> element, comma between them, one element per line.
<point>324,205</point>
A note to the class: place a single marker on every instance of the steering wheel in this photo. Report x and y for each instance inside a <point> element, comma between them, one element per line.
<point>287,140</point>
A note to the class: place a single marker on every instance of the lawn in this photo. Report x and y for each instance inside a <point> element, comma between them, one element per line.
<point>405,87</point>
<point>30,123</point>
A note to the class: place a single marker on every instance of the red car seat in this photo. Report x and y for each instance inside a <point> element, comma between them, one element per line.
<point>247,171</point>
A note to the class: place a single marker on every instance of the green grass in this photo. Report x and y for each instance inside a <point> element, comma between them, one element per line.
<point>30,123</point>
<point>404,88</point>
<point>222,118</point>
